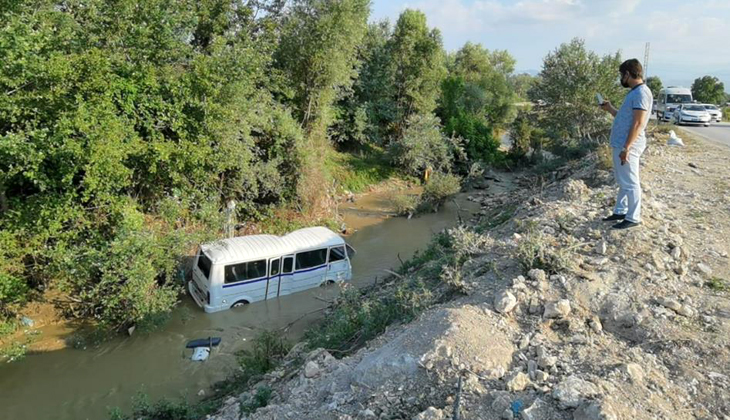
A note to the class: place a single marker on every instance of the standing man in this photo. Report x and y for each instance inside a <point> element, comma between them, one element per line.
<point>628,142</point>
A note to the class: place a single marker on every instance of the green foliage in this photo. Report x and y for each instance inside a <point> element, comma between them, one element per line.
<point>717,284</point>
<point>163,409</point>
<point>439,188</point>
<point>521,84</point>
<point>123,127</point>
<point>416,58</point>
<point>356,171</point>
<point>726,114</point>
<point>569,80</point>
<point>317,53</point>
<point>654,83</point>
<point>535,250</point>
<point>422,146</point>
<point>405,204</point>
<point>267,351</point>
<point>525,136</point>
<point>260,398</point>
<point>708,89</point>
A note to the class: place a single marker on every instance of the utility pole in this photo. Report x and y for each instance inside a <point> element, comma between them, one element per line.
<point>646,60</point>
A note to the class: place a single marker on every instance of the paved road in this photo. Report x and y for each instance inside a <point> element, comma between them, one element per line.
<point>717,133</point>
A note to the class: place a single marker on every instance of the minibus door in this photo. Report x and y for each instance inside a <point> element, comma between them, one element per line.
<point>272,284</point>
<point>337,264</point>
<point>287,274</point>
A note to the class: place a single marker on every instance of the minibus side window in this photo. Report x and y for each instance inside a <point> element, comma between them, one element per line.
<point>337,254</point>
<point>275,267</point>
<point>288,263</point>
<point>245,271</point>
<point>311,258</point>
<point>204,264</point>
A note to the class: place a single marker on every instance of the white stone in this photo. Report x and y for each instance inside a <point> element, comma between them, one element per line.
<point>538,410</point>
<point>537,274</point>
<point>705,269</point>
<point>633,371</point>
<point>504,302</point>
<point>311,369</point>
<point>518,382</point>
<point>559,309</point>
<point>431,413</point>
<point>594,410</point>
<point>571,392</point>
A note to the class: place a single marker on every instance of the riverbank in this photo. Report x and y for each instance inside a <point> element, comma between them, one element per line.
<point>556,315</point>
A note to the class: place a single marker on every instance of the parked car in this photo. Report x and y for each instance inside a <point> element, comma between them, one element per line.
<point>714,111</point>
<point>692,114</point>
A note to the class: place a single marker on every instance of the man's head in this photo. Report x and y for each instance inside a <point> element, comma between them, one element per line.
<point>632,73</point>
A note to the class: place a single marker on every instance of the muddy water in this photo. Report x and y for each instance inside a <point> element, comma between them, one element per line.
<point>83,384</point>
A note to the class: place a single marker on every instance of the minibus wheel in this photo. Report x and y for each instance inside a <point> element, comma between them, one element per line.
<point>239,304</point>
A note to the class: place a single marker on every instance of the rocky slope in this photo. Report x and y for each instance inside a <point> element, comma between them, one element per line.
<point>563,318</point>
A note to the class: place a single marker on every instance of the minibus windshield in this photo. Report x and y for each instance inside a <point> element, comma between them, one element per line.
<point>204,265</point>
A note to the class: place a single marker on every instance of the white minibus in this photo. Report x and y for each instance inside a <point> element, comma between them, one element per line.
<point>237,271</point>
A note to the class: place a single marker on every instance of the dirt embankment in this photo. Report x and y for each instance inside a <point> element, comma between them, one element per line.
<point>563,317</point>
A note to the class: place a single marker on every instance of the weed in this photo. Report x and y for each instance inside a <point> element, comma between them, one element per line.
<point>717,284</point>
<point>13,352</point>
<point>268,350</point>
<point>357,172</point>
<point>535,251</point>
<point>496,217</point>
<point>260,398</point>
<point>405,204</point>
<point>605,157</point>
<point>7,327</point>
<point>440,187</point>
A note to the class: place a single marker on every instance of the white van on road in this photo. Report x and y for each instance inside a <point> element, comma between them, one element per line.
<point>670,98</point>
<point>246,269</point>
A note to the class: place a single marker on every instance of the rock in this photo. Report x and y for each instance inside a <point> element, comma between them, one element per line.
<point>201,393</point>
<point>508,414</point>
<point>559,309</point>
<point>537,275</point>
<point>311,369</point>
<point>431,413</point>
<point>677,253</point>
<point>704,269</point>
<point>534,306</point>
<point>571,392</point>
<point>541,376</point>
<point>633,371</point>
<point>131,329</point>
<point>686,310</point>
<point>594,410</point>
<point>576,190</point>
<point>501,402</point>
<point>504,302</point>
<point>669,303</point>
<point>517,382</point>
<point>538,410</point>
<point>546,361</point>
<point>595,324</point>
<point>27,322</point>
<point>370,414</point>
<point>601,247</point>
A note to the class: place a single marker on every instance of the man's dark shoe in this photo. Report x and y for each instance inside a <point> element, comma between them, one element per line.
<point>625,225</point>
<point>614,217</point>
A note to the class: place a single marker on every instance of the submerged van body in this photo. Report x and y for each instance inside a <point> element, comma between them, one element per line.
<point>247,269</point>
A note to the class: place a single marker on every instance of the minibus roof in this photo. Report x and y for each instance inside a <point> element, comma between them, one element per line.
<point>255,247</point>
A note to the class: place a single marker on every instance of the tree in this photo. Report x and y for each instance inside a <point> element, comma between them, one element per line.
<point>521,84</point>
<point>317,52</point>
<point>423,146</point>
<point>708,89</point>
<point>417,66</point>
<point>569,80</point>
<point>654,83</point>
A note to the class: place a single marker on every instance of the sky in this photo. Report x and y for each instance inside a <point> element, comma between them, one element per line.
<point>688,38</point>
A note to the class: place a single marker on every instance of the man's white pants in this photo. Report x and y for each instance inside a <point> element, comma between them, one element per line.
<point>628,201</point>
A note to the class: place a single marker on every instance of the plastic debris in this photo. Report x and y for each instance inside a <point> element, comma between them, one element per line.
<point>674,140</point>
<point>200,354</point>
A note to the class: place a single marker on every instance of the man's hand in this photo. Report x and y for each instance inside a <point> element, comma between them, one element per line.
<point>624,156</point>
<point>608,107</point>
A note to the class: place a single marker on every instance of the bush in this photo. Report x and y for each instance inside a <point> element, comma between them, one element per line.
<point>423,146</point>
<point>536,250</point>
<point>439,188</point>
<point>269,348</point>
<point>726,113</point>
<point>405,204</point>
<point>480,144</point>
<point>605,157</point>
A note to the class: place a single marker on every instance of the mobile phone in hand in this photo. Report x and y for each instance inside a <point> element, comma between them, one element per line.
<point>599,98</point>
